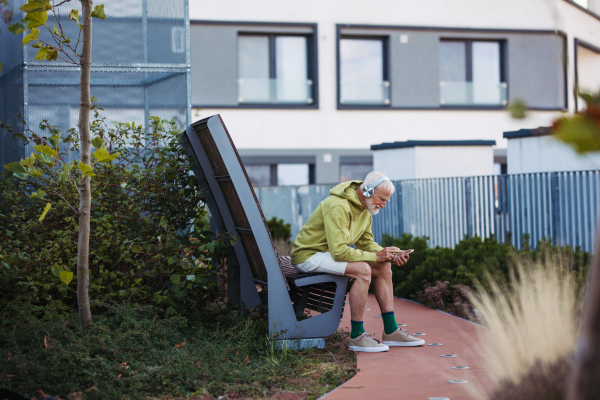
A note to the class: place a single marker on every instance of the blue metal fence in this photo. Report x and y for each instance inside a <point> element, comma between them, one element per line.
<point>562,206</point>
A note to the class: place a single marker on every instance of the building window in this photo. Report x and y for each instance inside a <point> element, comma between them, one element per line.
<point>273,69</point>
<point>260,175</point>
<point>471,73</point>
<point>292,174</point>
<point>354,172</point>
<point>363,72</point>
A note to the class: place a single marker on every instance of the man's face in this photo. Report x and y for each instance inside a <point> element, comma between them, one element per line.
<point>378,200</point>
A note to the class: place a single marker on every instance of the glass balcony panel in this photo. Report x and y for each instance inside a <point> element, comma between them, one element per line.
<point>365,93</point>
<point>473,93</point>
<point>274,91</point>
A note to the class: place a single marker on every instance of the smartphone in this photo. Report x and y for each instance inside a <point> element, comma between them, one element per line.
<point>408,251</point>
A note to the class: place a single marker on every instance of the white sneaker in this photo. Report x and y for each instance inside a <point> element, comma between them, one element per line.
<point>366,343</point>
<point>401,338</point>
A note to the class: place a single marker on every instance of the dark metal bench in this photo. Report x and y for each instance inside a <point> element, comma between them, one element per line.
<point>235,208</point>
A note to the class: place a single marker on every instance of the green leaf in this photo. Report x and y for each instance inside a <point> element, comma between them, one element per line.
<point>17,169</point>
<point>74,15</point>
<point>163,223</point>
<point>31,37</point>
<point>56,269</point>
<point>580,132</point>
<point>36,5</point>
<point>211,246</point>
<point>175,279</point>
<point>28,162</point>
<point>66,277</point>
<point>103,156</point>
<point>55,31</point>
<point>37,45</point>
<point>45,149</point>
<point>185,264</point>
<point>35,172</point>
<point>518,109</point>
<point>39,195</point>
<point>46,209</point>
<point>37,18</point>
<point>191,278</point>
<point>41,54</point>
<point>54,140</point>
<point>99,12</point>
<point>86,169</point>
<point>97,142</point>
<point>136,249</point>
<point>18,27</point>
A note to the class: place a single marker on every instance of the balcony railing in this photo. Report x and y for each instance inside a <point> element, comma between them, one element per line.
<point>473,93</point>
<point>274,91</point>
<point>365,93</point>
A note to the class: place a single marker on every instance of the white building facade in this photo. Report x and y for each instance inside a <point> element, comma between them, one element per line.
<point>305,88</point>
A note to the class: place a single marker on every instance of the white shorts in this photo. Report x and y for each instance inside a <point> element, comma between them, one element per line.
<point>322,262</point>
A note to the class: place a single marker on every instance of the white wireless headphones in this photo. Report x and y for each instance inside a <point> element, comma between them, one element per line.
<point>369,190</point>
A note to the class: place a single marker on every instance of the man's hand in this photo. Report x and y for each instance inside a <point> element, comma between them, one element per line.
<point>400,259</point>
<point>392,254</point>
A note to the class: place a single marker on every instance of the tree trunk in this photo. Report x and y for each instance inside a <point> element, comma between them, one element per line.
<point>85,195</point>
<point>584,382</point>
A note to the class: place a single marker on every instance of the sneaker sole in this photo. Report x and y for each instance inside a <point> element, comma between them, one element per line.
<point>377,349</point>
<point>405,344</point>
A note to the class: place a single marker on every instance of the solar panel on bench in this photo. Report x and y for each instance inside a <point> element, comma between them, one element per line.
<point>236,210</point>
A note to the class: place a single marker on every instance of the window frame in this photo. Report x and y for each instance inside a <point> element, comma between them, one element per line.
<point>312,70</point>
<point>588,46</point>
<point>469,68</point>
<point>385,39</point>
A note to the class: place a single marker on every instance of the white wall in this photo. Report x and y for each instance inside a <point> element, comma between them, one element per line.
<point>328,127</point>
<point>397,164</point>
<point>546,154</point>
<point>434,161</point>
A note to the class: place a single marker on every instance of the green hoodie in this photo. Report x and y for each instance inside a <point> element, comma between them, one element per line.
<point>338,222</point>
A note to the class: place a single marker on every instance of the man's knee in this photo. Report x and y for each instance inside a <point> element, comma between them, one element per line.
<point>383,270</point>
<point>364,270</point>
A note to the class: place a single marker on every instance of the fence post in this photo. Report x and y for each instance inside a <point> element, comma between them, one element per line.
<point>400,209</point>
<point>555,188</point>
<point>468,207</point>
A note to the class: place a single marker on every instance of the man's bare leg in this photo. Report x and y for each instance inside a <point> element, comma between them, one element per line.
<point>384,288</point>
<point>361,272</point>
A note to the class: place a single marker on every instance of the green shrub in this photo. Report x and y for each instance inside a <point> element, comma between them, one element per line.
<point>279,229</point>
<point>470,259</point>
<point>143,248</point>
<point>129,352</point>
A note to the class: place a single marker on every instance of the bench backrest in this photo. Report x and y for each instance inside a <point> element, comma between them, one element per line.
<point>230,198</point>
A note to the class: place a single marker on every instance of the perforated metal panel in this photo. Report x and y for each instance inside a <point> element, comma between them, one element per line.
<point>140,68</point>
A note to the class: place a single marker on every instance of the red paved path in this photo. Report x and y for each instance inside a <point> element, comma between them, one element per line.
<point>417,373</point>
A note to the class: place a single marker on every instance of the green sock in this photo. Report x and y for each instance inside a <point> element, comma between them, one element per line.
<point>389,322</point>
<point>357,329</point>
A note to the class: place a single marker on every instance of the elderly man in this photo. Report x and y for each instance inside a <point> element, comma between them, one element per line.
<point>323,245</point>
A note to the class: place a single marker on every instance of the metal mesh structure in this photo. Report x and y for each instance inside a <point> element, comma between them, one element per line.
<point>140,68</point>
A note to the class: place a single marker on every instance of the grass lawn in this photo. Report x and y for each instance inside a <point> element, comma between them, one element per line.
<point>132,353</point>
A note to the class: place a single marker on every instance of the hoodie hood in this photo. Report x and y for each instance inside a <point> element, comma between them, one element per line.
<point>347,190</point>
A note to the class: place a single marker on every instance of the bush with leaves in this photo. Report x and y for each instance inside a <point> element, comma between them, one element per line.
<point>143,247</point>
<point>433,275</point>
<point>279,229</point>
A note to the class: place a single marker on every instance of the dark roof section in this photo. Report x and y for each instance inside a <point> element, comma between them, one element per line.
<point>415,143</point>
<point>521,133</point>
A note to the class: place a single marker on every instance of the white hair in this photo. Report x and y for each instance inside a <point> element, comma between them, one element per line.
<point>373,176</point>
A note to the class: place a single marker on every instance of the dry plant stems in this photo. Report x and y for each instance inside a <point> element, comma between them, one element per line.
<point>583,384</point>
<point>533,321</point>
